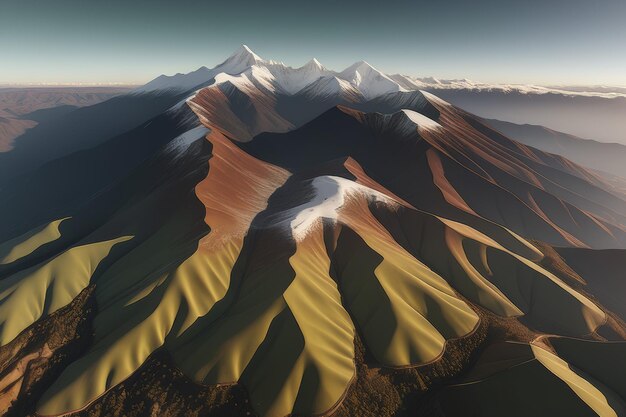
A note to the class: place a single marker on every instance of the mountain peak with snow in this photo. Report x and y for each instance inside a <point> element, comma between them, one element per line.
<point>362,67</point>
<point>240,60</point>
<point>244,54</point>
<point>370,81</point>
<point>361,78</point>
<point>314,64</point>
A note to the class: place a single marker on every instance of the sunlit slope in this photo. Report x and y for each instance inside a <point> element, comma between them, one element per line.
<point>40,290</point>
<point>26,244</point>
<point>405,311</point>
<point>213,337</point>
<point>506,282</point>
<point>285,335</point>
<point>276,291</point>
<point>144,297</point>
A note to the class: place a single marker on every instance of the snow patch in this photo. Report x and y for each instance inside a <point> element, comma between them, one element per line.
<point>241,81</point>
<point>434,99</point>
<point>181,143</point>
<point>421,121</point>
<point>331,86</point>
<point>329,196</point>
<point>369,81</point>
<point>263,76</point>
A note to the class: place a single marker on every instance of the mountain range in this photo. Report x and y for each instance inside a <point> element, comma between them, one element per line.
<point>23,108</point>
<point>256,239</point>
<point>607,158</point>
<point>570,109</point>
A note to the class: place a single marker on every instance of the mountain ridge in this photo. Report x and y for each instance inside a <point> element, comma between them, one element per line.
<point>244,57</point>
<point>600,156</point>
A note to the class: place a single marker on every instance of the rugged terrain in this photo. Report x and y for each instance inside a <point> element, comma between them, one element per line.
<point>267,240</point>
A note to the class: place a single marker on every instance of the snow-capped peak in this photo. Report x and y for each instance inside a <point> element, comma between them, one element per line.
<point>368,80</point>
<point>314,64</point>
<point>244,49</point>
<point>278,77</point>
<point>240,60</point>
<point>330,86</point>
<point>362,67</point>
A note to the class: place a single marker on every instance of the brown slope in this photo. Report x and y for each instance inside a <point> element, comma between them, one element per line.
<point>601,156</point>
<point>396,157</point>
<point>240,111</point>
<point>554,174</point>
<point>498,172</point>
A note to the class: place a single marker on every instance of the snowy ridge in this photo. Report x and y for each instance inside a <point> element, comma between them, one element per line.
<point>405,123</point>
<point>181,143</point>
<point>360,78</point>
<point>331,86</point>
<point>329,196</point>
<point>420,121</point>
<point>245,68</point>
<point>369,81</point>
<point>242,59</point>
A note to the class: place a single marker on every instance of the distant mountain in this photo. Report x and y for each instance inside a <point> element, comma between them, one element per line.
<point>241,60</point>
<point>78,129</point>
<point>23,108</point>
<point>244,58</point>
<point>602,156</point>
<point>431,83</point>
<point>281,241</point>
<point>246,66</point>
<point>10,129</point>
<point>600,117</point>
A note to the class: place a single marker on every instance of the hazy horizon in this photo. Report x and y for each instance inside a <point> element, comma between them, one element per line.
<point>74,42</point>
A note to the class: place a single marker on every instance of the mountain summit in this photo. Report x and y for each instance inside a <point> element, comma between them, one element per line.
<point>240,60</point>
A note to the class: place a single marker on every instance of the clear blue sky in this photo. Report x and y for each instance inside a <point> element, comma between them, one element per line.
<point>114,41</point>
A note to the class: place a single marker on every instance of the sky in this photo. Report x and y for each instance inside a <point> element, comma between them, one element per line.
<point>549,42</point>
